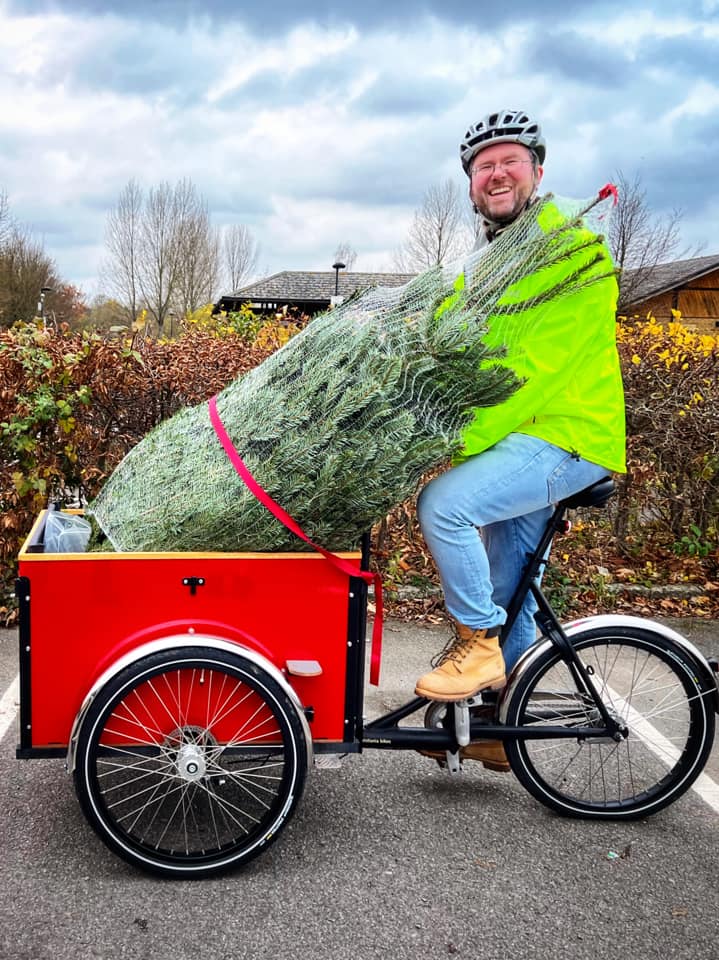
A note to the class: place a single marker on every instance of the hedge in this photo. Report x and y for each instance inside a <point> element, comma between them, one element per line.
<point>72,404</point>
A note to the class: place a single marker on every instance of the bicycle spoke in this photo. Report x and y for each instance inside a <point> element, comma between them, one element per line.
<point>194,763</point>
<point>653,698</point>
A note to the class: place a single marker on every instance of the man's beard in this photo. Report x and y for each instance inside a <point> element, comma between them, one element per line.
<point>494,225</point>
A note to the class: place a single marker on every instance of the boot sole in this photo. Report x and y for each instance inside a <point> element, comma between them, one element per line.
<point>494,685</point>
<point>497,767</point>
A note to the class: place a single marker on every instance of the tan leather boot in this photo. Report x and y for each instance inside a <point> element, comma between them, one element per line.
<point>472,662</point>
<point>490,753</point>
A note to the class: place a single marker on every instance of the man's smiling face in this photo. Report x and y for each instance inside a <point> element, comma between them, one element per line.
<point>503,177</point>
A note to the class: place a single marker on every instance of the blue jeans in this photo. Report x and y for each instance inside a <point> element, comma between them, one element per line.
<point>507,492</point>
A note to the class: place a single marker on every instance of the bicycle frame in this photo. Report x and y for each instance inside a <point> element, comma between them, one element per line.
<point>386,734</point>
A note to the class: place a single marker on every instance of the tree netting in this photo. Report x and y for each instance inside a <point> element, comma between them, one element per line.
<point>340,424</point>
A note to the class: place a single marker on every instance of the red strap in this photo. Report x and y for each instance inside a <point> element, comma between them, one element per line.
<point>609,190</point>
<point>341,564</point>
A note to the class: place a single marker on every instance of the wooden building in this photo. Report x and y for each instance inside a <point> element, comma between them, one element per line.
<point>690,286</point>
<point>305,291</point>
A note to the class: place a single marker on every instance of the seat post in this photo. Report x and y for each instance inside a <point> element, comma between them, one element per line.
<point>595,495</point>
<point>535,561</point>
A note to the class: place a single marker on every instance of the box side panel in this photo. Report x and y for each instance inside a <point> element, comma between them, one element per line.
<point>87,612</point>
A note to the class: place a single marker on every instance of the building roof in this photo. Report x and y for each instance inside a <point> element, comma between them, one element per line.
<point>668,276</point>
<point>308,288</point>
<point>305,286</point>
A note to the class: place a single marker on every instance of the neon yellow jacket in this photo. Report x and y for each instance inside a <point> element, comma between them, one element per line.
<point>572,395</point>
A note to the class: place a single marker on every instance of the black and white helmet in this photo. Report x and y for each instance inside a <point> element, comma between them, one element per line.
<point>505,126</point>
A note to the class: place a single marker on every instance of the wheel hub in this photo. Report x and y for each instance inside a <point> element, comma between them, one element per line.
<point>190,762</point>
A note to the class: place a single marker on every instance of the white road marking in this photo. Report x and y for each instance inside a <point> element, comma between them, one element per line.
<point>9,706</point>
<point>704,786</point>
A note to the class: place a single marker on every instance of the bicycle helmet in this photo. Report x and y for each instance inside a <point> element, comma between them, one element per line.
<point>505,126</point>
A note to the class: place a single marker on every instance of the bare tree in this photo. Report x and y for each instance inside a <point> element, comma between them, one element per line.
<point>122,239</point>
<point>640,240</point>
<point>345,254</point>
<point>439,230</point>
<point>25,269</point>
<point>199,257</point>
<point>158,252</point>
<point>241,251</point>
<point>164,254</point>
<point>6,221</point>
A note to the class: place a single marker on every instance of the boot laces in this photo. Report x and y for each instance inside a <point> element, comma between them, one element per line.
<point>454,649</point>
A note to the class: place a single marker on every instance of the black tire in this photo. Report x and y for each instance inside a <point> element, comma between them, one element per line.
<point>654,686</point>
<point>190,761</point>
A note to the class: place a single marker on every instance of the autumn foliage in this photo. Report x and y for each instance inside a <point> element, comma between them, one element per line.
<point>72,404</point>
<point>671,378</point>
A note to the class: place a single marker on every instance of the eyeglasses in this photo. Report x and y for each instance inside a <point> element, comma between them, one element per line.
<point>508,166</point>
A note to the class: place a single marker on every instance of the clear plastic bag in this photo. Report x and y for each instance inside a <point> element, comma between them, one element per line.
<point>66,533</point>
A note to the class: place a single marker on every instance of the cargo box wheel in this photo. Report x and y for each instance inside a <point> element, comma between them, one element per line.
<point>190,761</point>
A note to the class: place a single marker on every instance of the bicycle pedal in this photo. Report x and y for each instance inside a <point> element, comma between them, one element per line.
<point>487,697</point>
<point>462,722</point>
<point>486,713</point>
<point>452,762</point>
<point>475,701</point>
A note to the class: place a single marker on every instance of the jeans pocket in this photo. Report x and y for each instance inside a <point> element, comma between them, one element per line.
<point>559,483</point>
<point>571,475</point>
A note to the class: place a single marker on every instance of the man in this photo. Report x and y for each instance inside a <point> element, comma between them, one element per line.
<point>562,430</point>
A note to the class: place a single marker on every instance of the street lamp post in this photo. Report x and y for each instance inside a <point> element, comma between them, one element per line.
<point>337,267</point>
<point>41,304</point>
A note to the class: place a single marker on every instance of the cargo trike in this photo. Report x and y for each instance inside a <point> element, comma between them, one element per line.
<point>190,692</point>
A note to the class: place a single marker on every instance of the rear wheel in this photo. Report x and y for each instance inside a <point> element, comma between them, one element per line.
<point>190,761</point>
<point>652,688</point>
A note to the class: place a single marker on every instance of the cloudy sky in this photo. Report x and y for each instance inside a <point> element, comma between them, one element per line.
<point>315,123</point>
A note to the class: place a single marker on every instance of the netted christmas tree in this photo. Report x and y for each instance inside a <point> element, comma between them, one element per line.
<point>340,424</point>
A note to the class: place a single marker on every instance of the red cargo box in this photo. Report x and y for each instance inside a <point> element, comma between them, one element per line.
<point>80,613</point>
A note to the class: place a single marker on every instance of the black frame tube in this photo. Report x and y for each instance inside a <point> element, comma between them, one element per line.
<point>426,738</point>
<point>384,733</point>
<point>22,592</point>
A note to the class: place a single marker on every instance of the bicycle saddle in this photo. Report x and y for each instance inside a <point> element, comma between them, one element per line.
<point>595,495</point>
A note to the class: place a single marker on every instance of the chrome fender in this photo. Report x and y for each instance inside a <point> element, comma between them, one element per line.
<point>608,620</point>
<point>185,641</point>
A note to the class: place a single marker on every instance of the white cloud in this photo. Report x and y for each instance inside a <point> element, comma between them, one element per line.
<point>701,101</point>
<point>319,134</point>
<point>302,47</point>
<point>631,28</point>
<point>305,233</point>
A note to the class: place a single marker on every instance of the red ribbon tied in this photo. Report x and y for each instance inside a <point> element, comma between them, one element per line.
<point>338,562</point>
<point>609,190</point>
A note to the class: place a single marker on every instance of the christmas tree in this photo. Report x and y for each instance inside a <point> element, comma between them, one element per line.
<point>340,424</point>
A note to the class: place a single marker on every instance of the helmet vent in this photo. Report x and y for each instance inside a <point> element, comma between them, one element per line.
<point>504,126</point>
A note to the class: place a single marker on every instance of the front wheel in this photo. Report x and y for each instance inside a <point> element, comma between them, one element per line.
<point>664,708</point>
<point>190,761</point>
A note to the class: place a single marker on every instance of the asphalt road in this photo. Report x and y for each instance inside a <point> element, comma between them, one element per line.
<point>386,857</point>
